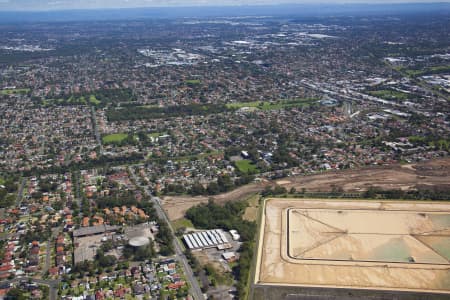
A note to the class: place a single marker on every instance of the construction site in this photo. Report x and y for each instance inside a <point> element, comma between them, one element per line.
<point>353,249</point>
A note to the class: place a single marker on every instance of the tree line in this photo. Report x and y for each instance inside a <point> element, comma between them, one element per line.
<point>142,112</point>
<point>223,184</point>
<point>102,161</point>
<point>7,192</point>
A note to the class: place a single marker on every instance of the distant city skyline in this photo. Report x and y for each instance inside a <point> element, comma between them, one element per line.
<point>107,4</point>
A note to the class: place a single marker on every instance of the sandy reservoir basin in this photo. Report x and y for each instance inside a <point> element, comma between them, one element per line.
<point>362,244</point>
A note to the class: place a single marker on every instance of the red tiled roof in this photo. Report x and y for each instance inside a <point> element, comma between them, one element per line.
<point>175,286</point>
<point>5,268</point>
<point>3,292</point>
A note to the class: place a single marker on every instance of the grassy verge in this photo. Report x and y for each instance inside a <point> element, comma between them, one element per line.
<point>180,223</point>
<point>14,91</point>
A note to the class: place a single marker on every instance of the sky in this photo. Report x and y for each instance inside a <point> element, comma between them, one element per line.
<point>95,4</point>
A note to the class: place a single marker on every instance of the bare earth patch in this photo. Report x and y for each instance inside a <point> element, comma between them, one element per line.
<point>435,173</point>
<point>251,212</point>
<point>404,177</point>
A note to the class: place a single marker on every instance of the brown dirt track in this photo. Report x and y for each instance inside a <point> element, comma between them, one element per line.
<point>405,177</point>
<point>435,173</point>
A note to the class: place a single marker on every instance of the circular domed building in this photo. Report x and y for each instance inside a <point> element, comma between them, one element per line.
<point>139,241</point>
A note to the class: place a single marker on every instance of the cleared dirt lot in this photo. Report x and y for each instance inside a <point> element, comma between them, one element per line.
<point>404,177</point>
<point>433,173</point>
<point>176,207</point>
<point>376,245</point>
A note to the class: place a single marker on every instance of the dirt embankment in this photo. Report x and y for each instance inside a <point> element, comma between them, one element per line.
<point>405,177</point>
<point>434,173</point>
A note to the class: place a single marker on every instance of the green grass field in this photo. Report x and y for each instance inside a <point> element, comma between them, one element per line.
<point>147,106</point>
<point>424,71</point>
<point>73,100</point>
<point>192,81</point>
<point>81,100</point>
<point>114,138</point>
<point>246,166</point>
<point>93,100</point>
<point>389,94</point>
<point>2,180</point>
<point>14,91</point>
<point>280,104</point>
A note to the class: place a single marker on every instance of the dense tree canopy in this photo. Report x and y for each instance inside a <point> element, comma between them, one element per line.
<point>212,215</point>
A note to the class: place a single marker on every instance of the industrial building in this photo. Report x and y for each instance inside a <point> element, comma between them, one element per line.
<point>206,239</point>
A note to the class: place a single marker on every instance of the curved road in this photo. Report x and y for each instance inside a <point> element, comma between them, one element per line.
<point>52,284</point>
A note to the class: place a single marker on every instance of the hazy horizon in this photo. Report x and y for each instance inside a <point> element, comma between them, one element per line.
<point>38,5</point>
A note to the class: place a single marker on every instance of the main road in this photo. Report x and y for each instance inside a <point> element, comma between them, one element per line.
<point>19,198</point>
<point>95,128</point>
<point>195,288</point>
<point>48,256</point>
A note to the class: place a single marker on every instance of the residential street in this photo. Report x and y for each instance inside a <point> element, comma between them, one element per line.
<point>194,286</point>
